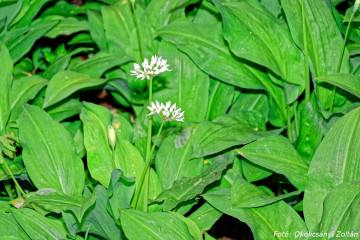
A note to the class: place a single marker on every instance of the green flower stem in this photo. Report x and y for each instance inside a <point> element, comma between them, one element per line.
<point>289,127</point>
<point>12,176</point>
<point>296,119</point>
<point>306,56</point>
<point>340,60</point>
<point>188,145</point>
<point>8,189</point>
<point>138,32</point>
<point>146,169</point>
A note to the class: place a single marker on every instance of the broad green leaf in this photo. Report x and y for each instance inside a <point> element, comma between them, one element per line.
<point>96,120</point>
<point>311,130</point>
<point>56,202</point>
<point>228,131</point>
<point>5,85</point>
<point>97,30</point>
<point>128,159</point>
<point>65,109</point>
<point>23,90</point>
<point>65,83</point>
<point>9,10</point>
<point>61,63</point>
<point>125,131</point>
<point>220,99</point>
<point>320,25</point>
<point>187,188</point>
<point>265,221</point>
<point>97,65</point>
<point>173,161</point>
<point>76,130</point>
<point>258,37</point>
<point>22,40</point>
<point>256,101</point>
<point>34,8</point>
<point>335,161</point>
<point>277,154</point>
<point>48,153</point>
<point>10,228</point>
<point>205,45</point>
<point>120,192</point>
<point>139,225</point>
<point>116,17</point>
<point>341,210</point>
<point>98,221</point>
<point>348,82</point>
<point>205,217</point>
<point>253,172</point>
<point>66,26</point>
<point>37,226</point>
<point>247,195</point>
<point>186,84</point>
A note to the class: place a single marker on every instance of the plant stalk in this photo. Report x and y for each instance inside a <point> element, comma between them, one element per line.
<point>289,127</point>
<point>12,176</point>
<point>306,56</point>
<point>340,60</point>
<point>145,170</point>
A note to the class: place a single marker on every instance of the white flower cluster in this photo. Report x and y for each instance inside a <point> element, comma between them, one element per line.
<point>156,66</point>
<point>166,112</point>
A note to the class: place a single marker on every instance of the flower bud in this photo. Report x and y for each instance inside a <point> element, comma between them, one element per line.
<point>112,136</point>
<point>116,124</point>
<point>356,5</point>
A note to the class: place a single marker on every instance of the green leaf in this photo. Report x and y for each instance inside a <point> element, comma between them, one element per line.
<point>76,130</point>
<point>247,195</point>
<point>66,26</point>
<point>61,63</point>
<point>348,82</point>
<point>205,217</point>
<point>256,101</point>
<point>9,10</point>
<point>97,65</point>
<point>173,161</point>
<point>23,90</point>
<point>258,37</point>
<point>186,84</point>
<point>187,188</point>
<point>128,159</point>
<point>220,99</point>
<point>253,172</point>
<point>65,83</point>
<point>97,30</point>
<point>98,221</point>
<point>65,109</point>
<point>244,127</point>
<point>341,210</point>
<point>277,154</point>
<point>139,225</point>
<point>335,161</point>
<point>37,226</point>
<point>205,45</point>
<point>56,202</point>
<point>311,130</point>
<point>48,153</point>
<point>320,25</point>
<point>23,39</point>
<point>115,17</point>
<point>265,221</point>
<point>5,85</point>
<point>96,120</point>
<point>34,8</point>
<point>10,228</point>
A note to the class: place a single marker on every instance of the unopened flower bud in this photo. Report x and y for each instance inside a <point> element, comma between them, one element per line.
<point>116,124</point>
<point>356,5</point>
<point>112,136</point>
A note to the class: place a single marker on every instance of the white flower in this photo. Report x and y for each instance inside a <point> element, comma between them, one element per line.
<point>166,112</point>
<point>156,66</point>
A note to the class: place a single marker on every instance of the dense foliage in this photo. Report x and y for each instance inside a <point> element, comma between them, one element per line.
<point>269,91</point>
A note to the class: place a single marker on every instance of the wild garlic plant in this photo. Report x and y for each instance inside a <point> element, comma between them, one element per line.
<point>166,112</point>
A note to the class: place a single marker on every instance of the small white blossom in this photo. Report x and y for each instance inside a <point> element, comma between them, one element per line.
<point>157,65</point>
<point>166,112</point>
